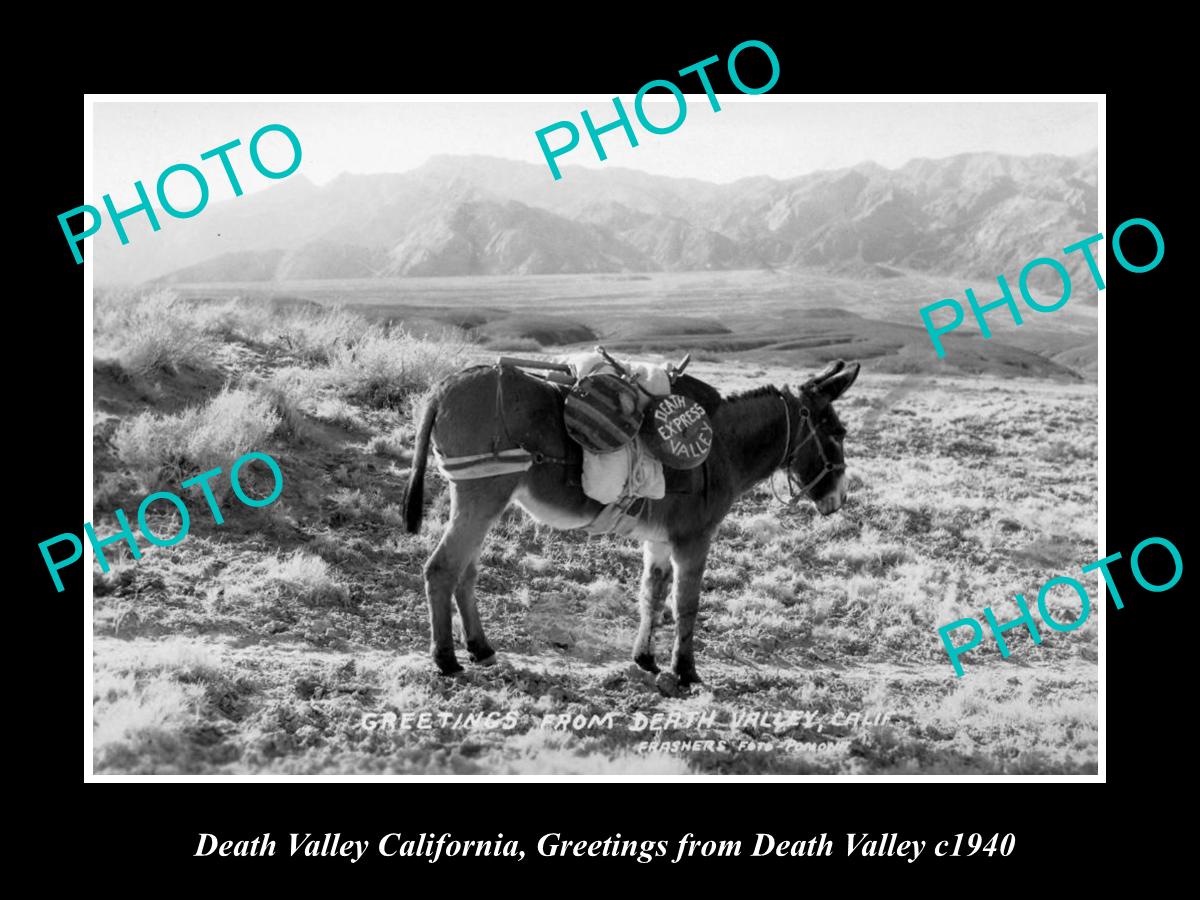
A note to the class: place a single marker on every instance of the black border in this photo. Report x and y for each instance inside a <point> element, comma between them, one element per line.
<point>1148,399</point>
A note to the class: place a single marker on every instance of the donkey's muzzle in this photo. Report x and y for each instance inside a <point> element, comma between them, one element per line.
<point>833,501</point>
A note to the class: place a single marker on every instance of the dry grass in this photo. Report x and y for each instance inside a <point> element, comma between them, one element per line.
<point>288,391</point>
<point>304,578</point>
<point>315,337</point>
<point>303,623</point>
<point>236,320</point>
<point>165,449</point>
<point>385,367</point>
<point>149,333</point>
<point>395,444</point>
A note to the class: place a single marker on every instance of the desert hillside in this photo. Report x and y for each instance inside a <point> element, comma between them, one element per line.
<point>279,641</point>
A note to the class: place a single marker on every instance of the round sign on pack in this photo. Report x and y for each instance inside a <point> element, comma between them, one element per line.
<point>677,431</point>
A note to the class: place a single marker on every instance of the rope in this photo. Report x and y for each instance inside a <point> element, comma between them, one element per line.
<point>787,445</point>
<point>790,453</point>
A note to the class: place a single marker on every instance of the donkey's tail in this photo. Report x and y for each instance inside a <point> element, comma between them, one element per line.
<point>414,494</point>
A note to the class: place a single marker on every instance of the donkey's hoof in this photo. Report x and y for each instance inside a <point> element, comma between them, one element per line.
<point>646,661</point>
<point>447,664</point>
<point>667,684</point>
<point>688,677</point>
<point>481,653</point>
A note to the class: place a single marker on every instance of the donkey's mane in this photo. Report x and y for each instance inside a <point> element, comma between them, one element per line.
<point>765,390</point>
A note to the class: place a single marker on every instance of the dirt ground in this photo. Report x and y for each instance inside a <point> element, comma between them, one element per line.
<point>292,639</point>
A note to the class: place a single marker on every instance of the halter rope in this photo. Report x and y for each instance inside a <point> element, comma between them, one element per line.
<point>789,453</point>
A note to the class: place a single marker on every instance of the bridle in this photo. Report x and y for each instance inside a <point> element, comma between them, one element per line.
<point>790,453</point>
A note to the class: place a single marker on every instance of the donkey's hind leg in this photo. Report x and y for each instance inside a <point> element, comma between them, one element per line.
<point>464,595</point>
<point>656,581</point>
<point>474,506</point>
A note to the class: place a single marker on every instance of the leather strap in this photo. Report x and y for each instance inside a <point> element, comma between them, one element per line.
<point>790,453</point>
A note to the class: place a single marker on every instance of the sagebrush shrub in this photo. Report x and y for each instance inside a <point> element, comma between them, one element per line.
<point>306,578</point>
<point>150,332</point>
<point>164,449</point>
<point>386,366</point>
<point>288,391</point>
<point>234,320</point>
<point>314,336</point>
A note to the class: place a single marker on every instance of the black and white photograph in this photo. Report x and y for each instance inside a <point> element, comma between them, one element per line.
<point>531,436</point>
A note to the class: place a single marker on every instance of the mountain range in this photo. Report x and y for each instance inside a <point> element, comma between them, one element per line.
<point>973,215</point>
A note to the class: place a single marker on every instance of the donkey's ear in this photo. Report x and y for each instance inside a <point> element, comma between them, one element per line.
<point>828,372</point>
<point>836,385</point>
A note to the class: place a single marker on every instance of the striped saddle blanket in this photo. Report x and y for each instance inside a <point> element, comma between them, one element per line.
<point>483,465</point>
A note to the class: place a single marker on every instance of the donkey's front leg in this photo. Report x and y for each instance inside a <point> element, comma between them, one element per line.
<point>689,557</point>
<point>656,580</point>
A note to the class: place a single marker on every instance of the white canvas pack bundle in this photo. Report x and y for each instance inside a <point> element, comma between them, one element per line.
<point>628,471</point>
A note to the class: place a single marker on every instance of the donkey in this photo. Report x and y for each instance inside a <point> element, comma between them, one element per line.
<point>486,410</point>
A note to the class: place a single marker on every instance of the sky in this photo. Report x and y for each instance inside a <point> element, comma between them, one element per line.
<point>751,135</point>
